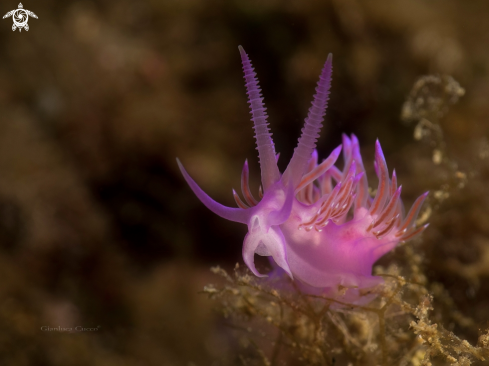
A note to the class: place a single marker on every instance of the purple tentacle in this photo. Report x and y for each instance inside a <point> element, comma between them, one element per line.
<point>229,213</point>
<point>312,126</point>
<point>412,215</point>
<point>266,149</point>
<point>362,190</point>
<point>319,170</point>
<point>245,185</point>
<point>347,154</point>
<point>384,184</point>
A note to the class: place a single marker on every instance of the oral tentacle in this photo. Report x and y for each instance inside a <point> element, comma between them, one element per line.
<point>265,243</point>
<point>229,213</point>
<point>250,245</point>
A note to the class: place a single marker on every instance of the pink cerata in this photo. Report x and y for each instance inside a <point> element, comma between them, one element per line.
<point>317,222</point>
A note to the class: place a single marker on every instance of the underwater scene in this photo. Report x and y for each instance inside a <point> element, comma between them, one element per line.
<point>249,183</point>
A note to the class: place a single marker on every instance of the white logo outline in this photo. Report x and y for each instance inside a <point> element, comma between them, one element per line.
<point>20,17</point>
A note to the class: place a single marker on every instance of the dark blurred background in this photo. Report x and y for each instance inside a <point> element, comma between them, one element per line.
<point>98,229</point>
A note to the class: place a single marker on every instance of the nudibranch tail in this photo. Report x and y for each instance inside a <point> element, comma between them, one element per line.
<point>312,126</point>
<point>229,213</point>
<point>266,149</point>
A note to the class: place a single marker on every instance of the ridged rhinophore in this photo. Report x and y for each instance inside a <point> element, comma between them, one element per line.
<point>264,142</point>
<point>312,125</point>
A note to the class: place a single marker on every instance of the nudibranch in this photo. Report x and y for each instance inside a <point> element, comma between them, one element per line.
<point>317,222</point>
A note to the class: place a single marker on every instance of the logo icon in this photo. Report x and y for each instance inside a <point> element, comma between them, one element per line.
<point>20,17</point>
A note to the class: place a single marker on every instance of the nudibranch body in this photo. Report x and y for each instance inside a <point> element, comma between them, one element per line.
<point>317,222</point>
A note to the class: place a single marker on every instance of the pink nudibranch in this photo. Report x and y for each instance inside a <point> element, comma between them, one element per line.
<point>317,222</point>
